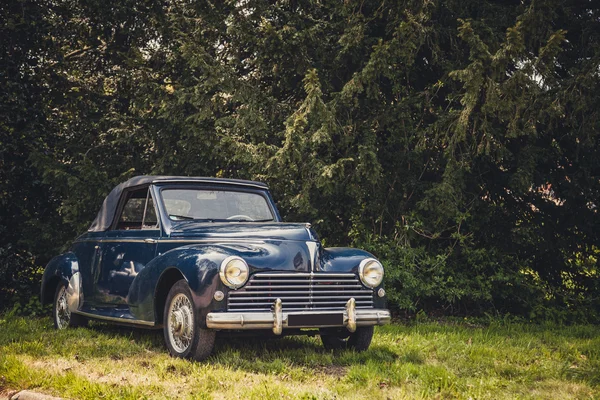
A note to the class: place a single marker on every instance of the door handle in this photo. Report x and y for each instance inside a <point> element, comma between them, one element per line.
<point>149,240</point>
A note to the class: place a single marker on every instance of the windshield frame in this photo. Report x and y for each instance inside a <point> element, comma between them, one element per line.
<point>169,223</point>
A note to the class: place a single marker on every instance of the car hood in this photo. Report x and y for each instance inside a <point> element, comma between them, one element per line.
<point>246,230</point>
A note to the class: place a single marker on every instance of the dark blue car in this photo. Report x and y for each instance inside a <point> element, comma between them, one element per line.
<point>195,256</point>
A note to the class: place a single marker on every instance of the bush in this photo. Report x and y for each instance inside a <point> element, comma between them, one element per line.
<point>418,282</point>
<point>20,281</point>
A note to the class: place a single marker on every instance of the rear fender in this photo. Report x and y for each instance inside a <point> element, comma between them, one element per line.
<point>63,268</point>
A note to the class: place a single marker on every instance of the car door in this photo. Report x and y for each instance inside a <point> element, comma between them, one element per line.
<point>127,247</point>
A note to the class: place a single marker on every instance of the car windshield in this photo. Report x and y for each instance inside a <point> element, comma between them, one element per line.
<point>215,205</point>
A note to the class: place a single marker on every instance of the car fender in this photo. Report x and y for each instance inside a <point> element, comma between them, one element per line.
<point>343,259</point>
<point>199,266</point>
<point>63,268</point>
<point>346,259</point>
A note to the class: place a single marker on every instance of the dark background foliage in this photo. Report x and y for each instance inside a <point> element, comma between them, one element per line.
<point>458,140</point>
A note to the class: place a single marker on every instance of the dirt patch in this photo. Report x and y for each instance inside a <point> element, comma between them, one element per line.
<point>173,382</point>
<point>117,373</point>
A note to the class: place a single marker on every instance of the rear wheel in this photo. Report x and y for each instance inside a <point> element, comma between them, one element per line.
<point>360,340</point>
<point>183,336</point>
<point>61,315</point>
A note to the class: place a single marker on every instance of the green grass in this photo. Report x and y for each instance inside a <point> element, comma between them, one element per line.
<point>424,360</point>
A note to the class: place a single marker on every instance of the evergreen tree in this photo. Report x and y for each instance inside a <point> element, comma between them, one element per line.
<point>458,141</point>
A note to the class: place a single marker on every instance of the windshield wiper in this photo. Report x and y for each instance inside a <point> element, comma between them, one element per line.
<point>186,217</point>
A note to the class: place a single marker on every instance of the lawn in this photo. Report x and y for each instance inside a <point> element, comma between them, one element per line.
<point>418,360</point>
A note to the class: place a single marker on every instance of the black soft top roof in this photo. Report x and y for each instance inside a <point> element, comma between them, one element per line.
<point>107,212</point>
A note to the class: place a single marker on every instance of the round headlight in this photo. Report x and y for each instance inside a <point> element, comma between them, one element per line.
<point>370,272</point>
<point>234,272</point>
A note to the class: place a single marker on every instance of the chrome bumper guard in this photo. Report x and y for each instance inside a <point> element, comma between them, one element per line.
<point>278,319</point>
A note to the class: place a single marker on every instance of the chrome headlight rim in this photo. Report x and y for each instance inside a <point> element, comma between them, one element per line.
<point>361,272</point>
<point>223,272</point>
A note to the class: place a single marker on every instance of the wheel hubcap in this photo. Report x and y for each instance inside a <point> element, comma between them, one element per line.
<point>63,315</point>
<point>180,323</point>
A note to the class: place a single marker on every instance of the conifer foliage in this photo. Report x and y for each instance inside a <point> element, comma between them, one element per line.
<point>458,140</point>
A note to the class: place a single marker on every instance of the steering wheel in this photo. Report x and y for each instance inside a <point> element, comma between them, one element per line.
<point>241,216</point>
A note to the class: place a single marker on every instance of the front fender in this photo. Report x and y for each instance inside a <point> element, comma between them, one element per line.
<point>346,259</point>
<point>343,259</point>
<point>63,268</point>
<point>197,264</point>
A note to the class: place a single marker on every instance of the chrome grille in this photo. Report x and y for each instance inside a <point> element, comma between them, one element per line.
<point>299,292</point>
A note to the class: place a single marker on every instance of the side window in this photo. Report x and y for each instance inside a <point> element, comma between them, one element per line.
<point>138,212</point>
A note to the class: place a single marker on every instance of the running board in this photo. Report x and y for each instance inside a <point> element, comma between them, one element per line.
<point>114,315</point>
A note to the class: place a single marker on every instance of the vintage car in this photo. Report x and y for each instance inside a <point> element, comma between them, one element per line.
<point>195,256</point>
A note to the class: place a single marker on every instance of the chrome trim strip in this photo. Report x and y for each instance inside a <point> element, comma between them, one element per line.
<point>169,240</point>
<point>115,319</point>
<point>114,240</point>
<point>266,320</point>
<point>287,292</point>
<point>302,274</point>
<point>315,280</point>
<point>301,309</point>
<point>325,288</point>
<point>323,302</point>
<point>284,297</point>
<point>312,253</point>
<point>216,240</point>
<point>225,241</point>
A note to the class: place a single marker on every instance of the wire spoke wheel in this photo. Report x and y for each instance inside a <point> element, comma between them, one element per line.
<point>61,309</point>
<point>184,335</point>
<point>180,321</point>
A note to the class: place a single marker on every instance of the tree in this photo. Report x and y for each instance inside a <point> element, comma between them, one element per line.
<point>457,141</point>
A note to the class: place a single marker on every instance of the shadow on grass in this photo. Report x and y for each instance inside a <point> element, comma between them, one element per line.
<point>257,354</point>
<point>277,356</point>
<point>260,354</point>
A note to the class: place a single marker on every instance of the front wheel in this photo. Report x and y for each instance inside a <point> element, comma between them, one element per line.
<point>61,315</point>
<point>360,340</point>
<point>183,336</point>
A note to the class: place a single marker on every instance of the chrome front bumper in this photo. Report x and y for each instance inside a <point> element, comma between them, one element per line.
<point>278,319</point>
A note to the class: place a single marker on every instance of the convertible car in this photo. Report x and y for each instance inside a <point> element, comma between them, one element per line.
<point>195,256</point>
